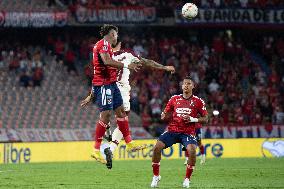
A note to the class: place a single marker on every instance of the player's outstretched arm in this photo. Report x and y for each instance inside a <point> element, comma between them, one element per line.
<point>153,64</point>
<point>110,62</point>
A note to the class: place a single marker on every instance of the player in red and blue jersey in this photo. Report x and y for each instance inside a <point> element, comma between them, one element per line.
<point>183,110</point>
<point>106,92</point>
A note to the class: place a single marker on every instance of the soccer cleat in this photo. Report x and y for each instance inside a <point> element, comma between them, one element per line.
<point>186,183</point>
<point>202,160</point>
<point>133,147</point>
<point>97,156</point>
<point>108,154</point>
<point>155,181</point>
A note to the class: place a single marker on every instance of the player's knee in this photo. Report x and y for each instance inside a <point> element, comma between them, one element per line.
<point>157,149</point>
<point>120,113</point>
<point>191,150</point>
<point>105,116</point>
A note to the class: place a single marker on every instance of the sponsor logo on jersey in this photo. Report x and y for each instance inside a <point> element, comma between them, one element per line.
<point>183,110</point>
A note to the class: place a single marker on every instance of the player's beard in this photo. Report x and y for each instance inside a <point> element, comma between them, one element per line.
<point>114,42</point>
<point>187,91</point>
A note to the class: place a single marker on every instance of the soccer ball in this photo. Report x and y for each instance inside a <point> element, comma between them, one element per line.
<point>189,10</point>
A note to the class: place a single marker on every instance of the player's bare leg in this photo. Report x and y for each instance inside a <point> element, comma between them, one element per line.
<point>156,158</point>
<point>123,125</point>
<point>191,149</point>
<point>202,153</point>
<point>99,133</point>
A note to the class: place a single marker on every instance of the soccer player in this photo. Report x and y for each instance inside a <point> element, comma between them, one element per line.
<point>124,86</point>
<point>198,134</point>
<point>183,110</point>
<point>106,92</point>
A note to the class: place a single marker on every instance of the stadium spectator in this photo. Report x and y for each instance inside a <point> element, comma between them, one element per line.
<point>25,79</point>
<point>70,61</point>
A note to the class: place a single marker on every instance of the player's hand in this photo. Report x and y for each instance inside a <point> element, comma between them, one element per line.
<point>189,119</point>
<point>170,69</point>
<point>135,60</point>
<point>163,116</point>
<point>135,66</point>
<point>86,101</point>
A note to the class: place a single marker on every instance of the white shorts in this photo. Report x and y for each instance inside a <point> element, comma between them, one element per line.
<point>125,94</point>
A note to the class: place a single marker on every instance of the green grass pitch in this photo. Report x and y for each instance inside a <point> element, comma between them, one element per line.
<point>216,173</point>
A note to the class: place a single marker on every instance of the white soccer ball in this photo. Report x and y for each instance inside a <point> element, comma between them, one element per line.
<point>216,112</point>
<point>189,10</point>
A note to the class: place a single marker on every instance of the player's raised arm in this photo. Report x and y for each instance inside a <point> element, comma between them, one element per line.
<point>155,65</point>
<point>113,63</point>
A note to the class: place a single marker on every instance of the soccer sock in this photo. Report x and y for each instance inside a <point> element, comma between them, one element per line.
<point>123,126</point>
<point>186,154</point>
<point>201,148</point>
<point>99,133</point>
<point>189,170</point>
<point>156,168</point>
<point>116,138</point>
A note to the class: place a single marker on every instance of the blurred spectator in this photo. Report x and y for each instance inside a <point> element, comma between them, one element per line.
<point>13,61</point>
<point>213,86</point>
<point>37,76</point>
<point>156,106</point>
<point>146,119</point>
<point>278,115</point>
<point>25,79</point>
<point>59,49</point>
<point>70,61</point>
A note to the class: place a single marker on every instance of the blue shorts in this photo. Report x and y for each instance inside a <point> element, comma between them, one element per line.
<point>170,138</point>
<point>198,134</point>
<point>108,97</point>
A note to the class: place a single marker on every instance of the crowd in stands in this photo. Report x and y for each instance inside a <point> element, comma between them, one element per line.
<point>24,64</point>
<point>226,74</point>
<point>227,77</point>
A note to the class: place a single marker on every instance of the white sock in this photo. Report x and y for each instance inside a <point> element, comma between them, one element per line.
<point>116,138</point>
<point>112,146</point>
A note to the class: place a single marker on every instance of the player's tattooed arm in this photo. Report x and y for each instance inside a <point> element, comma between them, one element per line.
<point>153,64</point>
<point>108,61</point>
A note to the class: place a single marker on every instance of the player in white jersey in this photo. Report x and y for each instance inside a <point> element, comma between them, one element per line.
<point>124,87</point>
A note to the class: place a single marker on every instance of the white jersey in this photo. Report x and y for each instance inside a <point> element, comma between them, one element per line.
<point>123,74</point>
<point>123,78</point>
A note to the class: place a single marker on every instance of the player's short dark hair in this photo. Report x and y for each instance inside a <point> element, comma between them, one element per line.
<point>105,29</point>
<point>188,77</point>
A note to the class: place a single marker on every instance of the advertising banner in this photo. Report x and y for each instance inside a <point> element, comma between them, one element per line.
<point>116,15</point>
<point>33,19</point>
<point>234,16</point>
<point>81,151</point>
<point>49,135</point>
